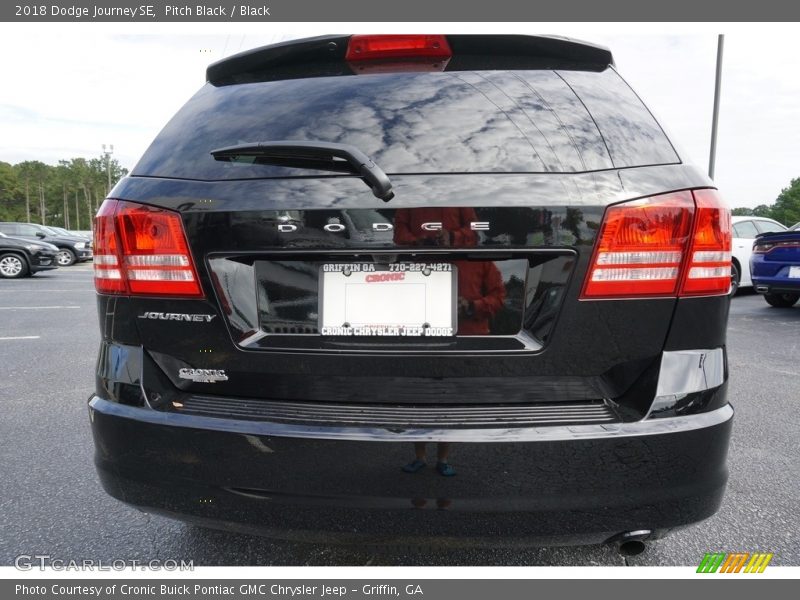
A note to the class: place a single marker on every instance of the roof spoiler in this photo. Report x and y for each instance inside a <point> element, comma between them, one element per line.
<point>324,56</point>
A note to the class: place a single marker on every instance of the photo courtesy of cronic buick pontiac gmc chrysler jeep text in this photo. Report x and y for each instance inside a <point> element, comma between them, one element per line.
<point>391,288</point>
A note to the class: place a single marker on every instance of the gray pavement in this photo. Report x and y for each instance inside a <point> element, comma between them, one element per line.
<point>51,502</point>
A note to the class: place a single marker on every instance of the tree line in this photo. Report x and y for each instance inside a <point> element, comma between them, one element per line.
<point>785,209</point>
<point>65,195</point>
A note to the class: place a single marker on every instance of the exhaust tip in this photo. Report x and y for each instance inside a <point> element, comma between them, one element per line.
<point>762,289</point>
<point>631,548</point>
<point>631,543</point>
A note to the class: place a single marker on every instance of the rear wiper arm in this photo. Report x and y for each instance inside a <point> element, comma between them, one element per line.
<point>313,155</point>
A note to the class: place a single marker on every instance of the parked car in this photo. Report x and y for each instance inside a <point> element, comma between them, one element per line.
<point>62,231</point>
<point>549,310</point>
<point>21,258</point>
<point>795,227</point>
<point>745,231</point>
<point>775,265</point>
<point>71,249</point>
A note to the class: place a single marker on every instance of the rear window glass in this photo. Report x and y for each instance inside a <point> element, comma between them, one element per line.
<point>453,122</point>
<point>769,227</point>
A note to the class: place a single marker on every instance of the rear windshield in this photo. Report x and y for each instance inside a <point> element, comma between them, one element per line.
<point>452,122</point>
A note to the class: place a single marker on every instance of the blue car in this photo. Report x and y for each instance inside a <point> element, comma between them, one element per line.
<point>775,267</point>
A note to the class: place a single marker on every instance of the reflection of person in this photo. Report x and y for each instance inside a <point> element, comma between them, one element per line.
<point>481,294</point>
<point>455,227</point>
<point>420,461</point>
<point>441,503</point>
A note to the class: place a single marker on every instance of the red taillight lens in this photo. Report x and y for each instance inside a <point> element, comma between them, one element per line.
<point>767,247</point>
<point>708,271</point>
<point>670,245</point>
<point>107,266</point>
<point>143,250</point>
<point>389,47</point>
<point>641,247</point>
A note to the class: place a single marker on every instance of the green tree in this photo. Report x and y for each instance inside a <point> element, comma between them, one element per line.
<point>67,194</point>
<point>762,210</point>
<point>12,204</point>
<point>742,211</point>
<point>33,173</point>
<point>787,206</point>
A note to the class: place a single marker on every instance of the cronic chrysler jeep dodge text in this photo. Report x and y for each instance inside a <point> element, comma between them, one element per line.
<point>386,288</point>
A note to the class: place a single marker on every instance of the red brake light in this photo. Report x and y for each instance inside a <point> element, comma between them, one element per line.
<point>640,248</point>
<point>107,268</point>
<point>708,271</point>
<point>388,47</point>
<point>142,250</point>
<point>665,246</point>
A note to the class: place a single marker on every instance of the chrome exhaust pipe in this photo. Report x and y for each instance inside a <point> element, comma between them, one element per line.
<point>631,543</point>
<point>762,289</point>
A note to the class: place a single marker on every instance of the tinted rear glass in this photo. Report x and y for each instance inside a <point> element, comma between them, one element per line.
<point>488,121</point>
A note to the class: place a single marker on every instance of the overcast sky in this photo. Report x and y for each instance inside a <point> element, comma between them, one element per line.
<point>69,90</point>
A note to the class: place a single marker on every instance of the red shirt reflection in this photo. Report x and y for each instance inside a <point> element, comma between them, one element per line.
<point>455,227</point>
<point>481,294</point>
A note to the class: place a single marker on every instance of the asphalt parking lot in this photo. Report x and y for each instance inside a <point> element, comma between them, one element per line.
<point>52,503</point>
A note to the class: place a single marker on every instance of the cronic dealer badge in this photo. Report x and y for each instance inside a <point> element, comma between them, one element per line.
<point>203,375</point>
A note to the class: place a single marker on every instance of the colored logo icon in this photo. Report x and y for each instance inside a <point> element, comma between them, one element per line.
<point>734,562</point>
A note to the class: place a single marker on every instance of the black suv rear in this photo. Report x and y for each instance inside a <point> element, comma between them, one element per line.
<point>343,248</point>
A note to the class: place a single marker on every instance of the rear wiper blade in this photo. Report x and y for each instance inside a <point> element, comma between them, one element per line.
<point>325,156</point>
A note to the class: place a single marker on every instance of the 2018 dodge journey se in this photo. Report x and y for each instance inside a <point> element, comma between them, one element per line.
<point>419,287</point>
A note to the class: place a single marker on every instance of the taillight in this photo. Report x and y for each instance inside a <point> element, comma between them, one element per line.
<point>107,266</point>
<point>708,271</point>
<point>663,246</point>
<point>142,250</point>
<point>763,247</point>
<point>392,53</point>
<point>640,247</point>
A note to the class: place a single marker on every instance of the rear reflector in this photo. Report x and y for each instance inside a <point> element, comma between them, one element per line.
<point>391,47</point>
<point>670,245</point>
<point>142,250</point>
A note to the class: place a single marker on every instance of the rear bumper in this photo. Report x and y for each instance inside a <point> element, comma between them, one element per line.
<point>537,485</point>
<point>772,276</point>
<point>776,285</point>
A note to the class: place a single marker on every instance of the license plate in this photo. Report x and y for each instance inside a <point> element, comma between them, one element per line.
<point>794,272</point>
<point>398,299</point>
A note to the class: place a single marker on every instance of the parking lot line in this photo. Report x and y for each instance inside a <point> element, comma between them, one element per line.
<point>21,337</point>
